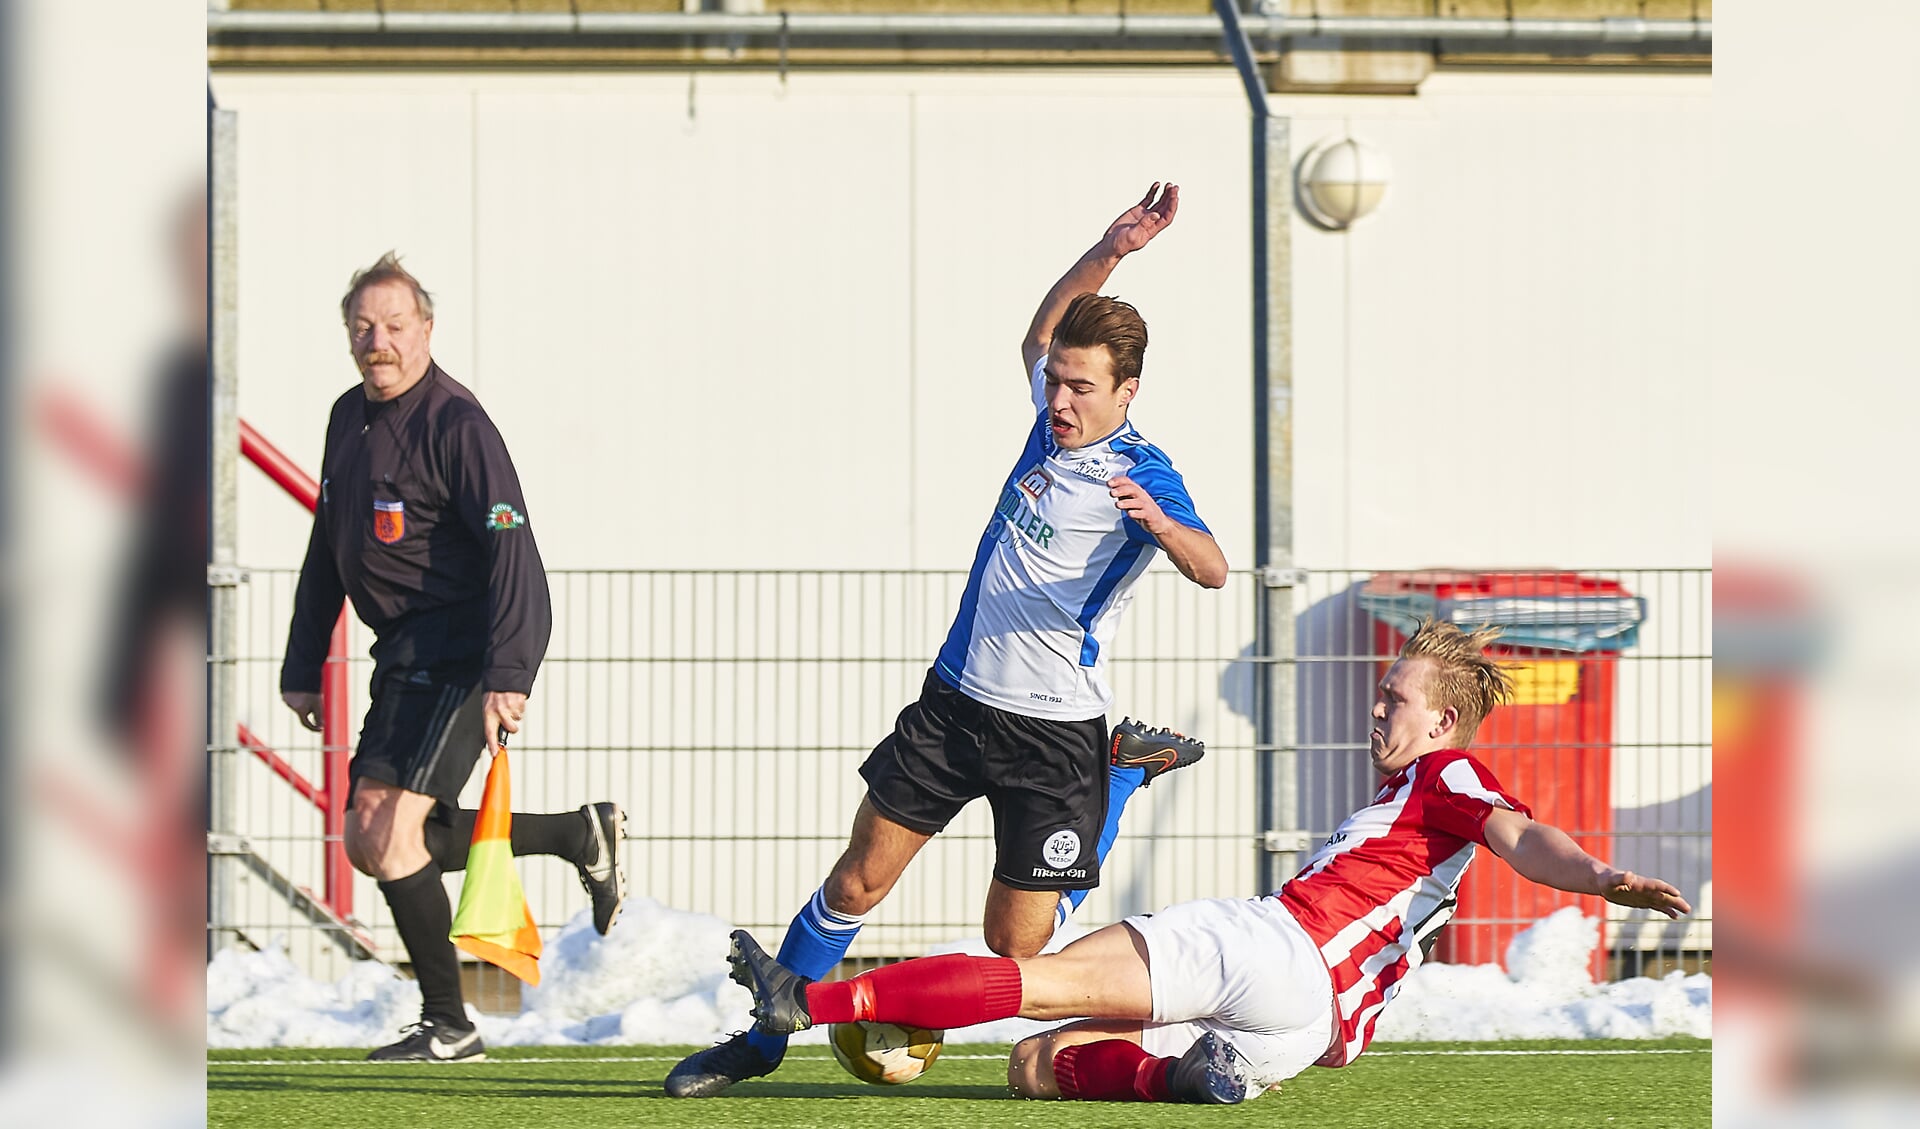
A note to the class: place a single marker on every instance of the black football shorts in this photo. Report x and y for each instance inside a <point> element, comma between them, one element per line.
<point>1046,781</point>
<point>424,733</point>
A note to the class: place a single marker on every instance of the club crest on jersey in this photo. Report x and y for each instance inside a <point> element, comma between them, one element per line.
<point>503,516</point>
<point>1035,482</point>
<point>1062,848</point>
<point>1094,470</point>
<point>389,521</point>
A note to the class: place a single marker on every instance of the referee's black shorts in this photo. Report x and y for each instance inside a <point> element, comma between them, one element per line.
<point>424,732</point>
<point>1046,781</point>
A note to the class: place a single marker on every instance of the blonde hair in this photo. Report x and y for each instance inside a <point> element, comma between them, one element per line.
<point>1463,677</point>
<point>388,269</point>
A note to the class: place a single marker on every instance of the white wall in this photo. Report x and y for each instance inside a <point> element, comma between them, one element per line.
<point>729,323</point>
<point>1507,363</point>
<point>742,326</point>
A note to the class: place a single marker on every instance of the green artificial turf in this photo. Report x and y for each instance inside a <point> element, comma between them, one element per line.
<point>1665,1084</point>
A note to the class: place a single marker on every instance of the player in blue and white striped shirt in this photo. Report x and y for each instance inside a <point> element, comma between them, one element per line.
<point>1014,708</point>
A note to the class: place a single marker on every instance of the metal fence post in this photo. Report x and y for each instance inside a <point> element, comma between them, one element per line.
<point>223,574</point>
<point>1274,690</point>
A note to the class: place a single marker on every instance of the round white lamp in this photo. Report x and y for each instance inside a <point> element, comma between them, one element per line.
<point>1338,182</point>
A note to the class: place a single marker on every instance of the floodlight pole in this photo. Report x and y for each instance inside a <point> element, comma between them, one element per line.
<point>1274,709</point>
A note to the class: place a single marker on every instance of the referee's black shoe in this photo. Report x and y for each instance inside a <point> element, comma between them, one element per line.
<point>1158,751</point>
<point>705,1073</point>
<point>1207,1074</point>
<point>779,993</point>
<point>605,882</point>
<point>430,1041</point>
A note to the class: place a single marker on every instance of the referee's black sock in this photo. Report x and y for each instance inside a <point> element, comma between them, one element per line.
<point>423,918</point>
<point>566,834</point>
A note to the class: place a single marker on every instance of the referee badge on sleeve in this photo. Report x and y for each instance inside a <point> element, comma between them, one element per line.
<point>503,517</point>
<point>389,521</point>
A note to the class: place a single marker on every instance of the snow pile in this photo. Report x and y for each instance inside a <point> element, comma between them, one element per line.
<point>1548,995</point>
<point>263,1000</point>
<point>660,977</point>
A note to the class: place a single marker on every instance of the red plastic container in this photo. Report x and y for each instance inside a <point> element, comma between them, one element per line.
<point>1552,747</point>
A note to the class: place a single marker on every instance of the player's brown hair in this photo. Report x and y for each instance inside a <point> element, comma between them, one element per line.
<point>388,269</point>
<point>1095,319</point>
<point>1462,676</point>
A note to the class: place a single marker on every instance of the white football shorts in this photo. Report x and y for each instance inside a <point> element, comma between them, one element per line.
<point>1244,968</point>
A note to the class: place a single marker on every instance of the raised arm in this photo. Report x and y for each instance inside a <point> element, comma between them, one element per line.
<point>1545,854</point>
<point>1133,230</point>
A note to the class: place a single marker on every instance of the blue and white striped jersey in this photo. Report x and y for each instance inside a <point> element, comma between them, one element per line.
<point>1055,568</point>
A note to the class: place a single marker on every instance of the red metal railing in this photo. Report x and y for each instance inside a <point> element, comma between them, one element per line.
<point>331,795</point>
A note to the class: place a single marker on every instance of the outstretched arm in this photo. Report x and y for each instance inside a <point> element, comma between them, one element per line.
<point>1544,854</point>
<point>1132,231</point>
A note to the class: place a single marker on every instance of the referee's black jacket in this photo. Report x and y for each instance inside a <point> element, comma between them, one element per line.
<point>422,523</point>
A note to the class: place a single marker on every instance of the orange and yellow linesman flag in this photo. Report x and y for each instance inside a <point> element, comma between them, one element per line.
<point>493,921</point>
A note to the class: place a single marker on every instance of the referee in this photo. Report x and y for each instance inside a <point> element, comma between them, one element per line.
<point>422,523</point>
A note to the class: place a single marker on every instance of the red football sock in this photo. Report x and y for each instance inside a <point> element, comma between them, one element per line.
<point>938,992</point>
<point>1111,1070</point>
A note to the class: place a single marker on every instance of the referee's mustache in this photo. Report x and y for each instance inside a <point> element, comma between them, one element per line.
<point>380,357</point>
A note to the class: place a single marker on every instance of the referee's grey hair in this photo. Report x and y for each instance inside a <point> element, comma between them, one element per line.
<point>388,269</point>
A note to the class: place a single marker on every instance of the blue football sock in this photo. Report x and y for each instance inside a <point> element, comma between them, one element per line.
<point>1122,783</point>
<point>815,944</point>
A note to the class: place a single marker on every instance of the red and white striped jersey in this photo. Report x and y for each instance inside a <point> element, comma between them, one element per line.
<point>1378,890</point>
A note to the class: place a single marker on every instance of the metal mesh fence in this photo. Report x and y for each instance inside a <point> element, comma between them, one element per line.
<point>728,712</point>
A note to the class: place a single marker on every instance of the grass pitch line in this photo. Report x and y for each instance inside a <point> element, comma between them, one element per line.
<point>1567,1051</point>
<point>1489,1053</point>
